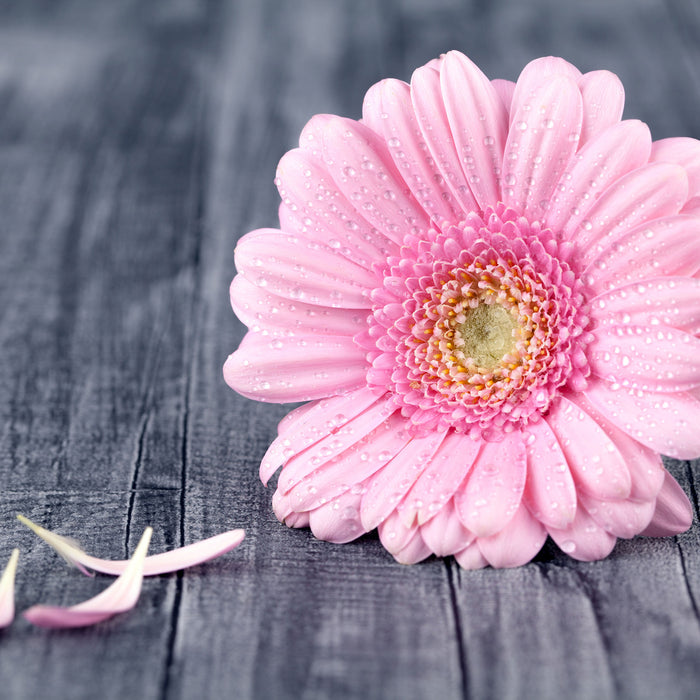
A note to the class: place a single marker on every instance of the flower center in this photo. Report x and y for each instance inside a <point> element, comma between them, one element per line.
<point>487,335</point>
<point>478,326</point>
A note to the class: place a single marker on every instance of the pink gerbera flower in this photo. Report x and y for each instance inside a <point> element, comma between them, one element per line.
<point>489,293</point>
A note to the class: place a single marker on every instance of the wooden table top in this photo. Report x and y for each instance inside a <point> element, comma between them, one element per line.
<point>138,141</point>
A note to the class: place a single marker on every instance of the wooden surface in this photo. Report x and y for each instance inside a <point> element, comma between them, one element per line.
<point>138,140</point>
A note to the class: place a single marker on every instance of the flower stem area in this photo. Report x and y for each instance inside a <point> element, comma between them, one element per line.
<point>138,141</point>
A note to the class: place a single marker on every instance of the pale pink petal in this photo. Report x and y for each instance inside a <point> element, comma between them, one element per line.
<point>119,597</point>
<point>681,151</point>
<point>645,465</point>
<point>429,107</point>
<point>595,463</point>
<point>297,520</point>
<point>505,90</point>
<point>608,156</point>
<point>414,551</point>
<point>359,163</point>
<point>337,441</point>
<point>175,560</point>
<point>471,557</point>
<point>444,533</point>
<point>478,122</point>
<point>338,520</point>
<point>262,311</point>
<point>324,214</point>
<point>651,358</point>
<point>541,141</point>
<point>660,248</point>
<point>7,591</point>
<point>394,534</point>
<point>671,301</point>
<point>653,191</point>
<point>584,539</point>
<point>308,424</point>
<point>296,268</point>
<point>154,565</point>
<point>620,518</point>
<point>388,110</point>
<point>441,478</point>
<point>692,206</point>
<point>351,468</point>
<point>517,543</point>
<point>539,72</point>
<point>301,369</point>
<point>550,493</point>
<point>673,512</point>
<point>494,487</point>
<point>603,102</point>
<point>667,423</point>
<point>389,485</point>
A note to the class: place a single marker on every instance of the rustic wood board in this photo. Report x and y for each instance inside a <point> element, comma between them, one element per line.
<point>138,141</point>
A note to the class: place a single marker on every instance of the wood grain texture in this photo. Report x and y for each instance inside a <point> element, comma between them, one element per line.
<point>138,141</point>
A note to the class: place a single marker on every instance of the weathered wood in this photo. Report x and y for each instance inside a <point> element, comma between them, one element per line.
<point>138,142</point>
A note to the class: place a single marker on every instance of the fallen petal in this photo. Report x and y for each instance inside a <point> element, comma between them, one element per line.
<point>163,563</point>
<point>7,590</point>
<point>119,597</point>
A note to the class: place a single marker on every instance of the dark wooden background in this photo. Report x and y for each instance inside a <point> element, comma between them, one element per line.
<point>138,141</point>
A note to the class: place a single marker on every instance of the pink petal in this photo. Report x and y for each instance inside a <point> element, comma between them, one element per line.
<point>389,485</point>
<point>360,165</point>
<point>302,270</point>
<point>337,441</point>
<point>300,369</point>
<point>650,192</point>
<point>307,425</point>
<point>338,520</point>
<point>549,493</point>
<point>603,102</point>
<point>479,123</point>
<point>620,518</point>
<point>444,533</point>
<point>539,72</point>
<point>429,107</point>
<point>692,206</point>
<point>603,160</point>
<point>394,534</point>
<point>352,467</point>
<point>681,151</point>
<point>414,551</point>
<point>471,557</point>
<point>584,539</point>
<point>119,597</point>
<point>661,248</point>
<point>495,486</point>
<point>504,89</point>
<point>388,110</point>
<point>666,423</point>
<point>645,465</point>
<point>673,512</point>
<point>262,311</point>
<point>175,560</point>
<point>542,139</point>
<point>7,591</point>
<point>671,301</point>
<point>326,215</point>
<point>595,463</point>
<point>441,479</point>
<point>516,544</point>
<point>651,358</point>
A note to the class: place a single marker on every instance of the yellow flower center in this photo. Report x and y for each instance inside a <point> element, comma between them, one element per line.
<point>489,333</point>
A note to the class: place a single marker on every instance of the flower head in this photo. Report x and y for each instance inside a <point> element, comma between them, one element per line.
<point>489,293</point>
